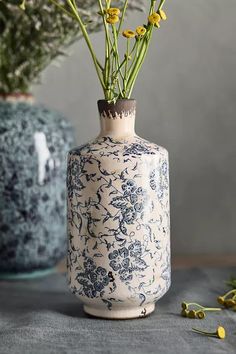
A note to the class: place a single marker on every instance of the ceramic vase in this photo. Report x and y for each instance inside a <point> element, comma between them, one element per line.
<point>118,218</point>
<point>34,142</point>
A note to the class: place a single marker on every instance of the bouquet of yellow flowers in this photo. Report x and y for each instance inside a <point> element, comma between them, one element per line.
<point>119,72</point>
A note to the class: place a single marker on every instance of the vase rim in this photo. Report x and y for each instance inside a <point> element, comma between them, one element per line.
<point>118,100</point>
<point>120,109</point>
<point>17,97</point>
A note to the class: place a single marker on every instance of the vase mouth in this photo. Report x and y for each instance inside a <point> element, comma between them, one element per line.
<point>120,109</point>
<point>17,97</point>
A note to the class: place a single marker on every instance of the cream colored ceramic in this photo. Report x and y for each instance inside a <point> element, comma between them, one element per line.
<point>118,219</point>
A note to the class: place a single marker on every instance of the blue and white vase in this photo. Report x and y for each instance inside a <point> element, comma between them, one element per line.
<point>34,142</point>
<point>118,218</point>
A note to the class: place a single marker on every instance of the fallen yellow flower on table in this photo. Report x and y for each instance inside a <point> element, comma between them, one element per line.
<point>219,333</point>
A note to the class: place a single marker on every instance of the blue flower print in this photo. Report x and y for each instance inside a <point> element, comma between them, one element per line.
<point>126,260</point>
<point>119,259</point>
<point>141,199</point>
<point>126,274</point>
<point>164,168</point>
<point>129,215</point>
<point>101,280</point>
<point>73,177</point>
<point>159,180</point>
<point>133,198</point>
<point>137,149</point>
<point>89,291</point>
<point>93,279</point>
<point>129,187</point>
<point>154,179</point>
<point>89,265</point>
<point>135,249</point>
<point>131,203</point>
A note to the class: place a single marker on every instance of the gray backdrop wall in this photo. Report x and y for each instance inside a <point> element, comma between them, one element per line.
<point>186,102</point>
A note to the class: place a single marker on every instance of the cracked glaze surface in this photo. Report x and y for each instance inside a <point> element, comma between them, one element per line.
<point>118,222</point>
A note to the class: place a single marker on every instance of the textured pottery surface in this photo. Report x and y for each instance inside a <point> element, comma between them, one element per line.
<point>34,142</point>
<point>118,219</point>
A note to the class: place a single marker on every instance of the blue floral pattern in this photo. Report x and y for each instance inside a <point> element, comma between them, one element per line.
<point>93,279</point>
<point>159,180</point>
<point>118,218</point>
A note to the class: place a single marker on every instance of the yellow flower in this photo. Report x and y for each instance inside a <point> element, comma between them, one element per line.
<point>112,19</point>
<point>220,332</point>
<point>140,30</point>
<point>154,18</point>
<point>113,11</point>
<point>128,34</point>
<point>162,15</point>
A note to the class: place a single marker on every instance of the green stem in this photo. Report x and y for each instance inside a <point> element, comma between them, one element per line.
<point>62,8</point>
<point>152,7</point>
<point>126,64</point>
<point>117,59</point>
<point>212,309</point>
<point>122,17</point>
<point>161,5</point>
<point>195,304</point>
<point>229,293</point>
<point>89,44</point>
<point>106,73</point>
<point>135,48</point>
<point>203,332</point>
<point>139,64</point>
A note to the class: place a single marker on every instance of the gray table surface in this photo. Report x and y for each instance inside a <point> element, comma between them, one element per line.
<point>41,316</point>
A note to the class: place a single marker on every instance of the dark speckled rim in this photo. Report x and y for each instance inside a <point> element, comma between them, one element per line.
<point>118,108</point>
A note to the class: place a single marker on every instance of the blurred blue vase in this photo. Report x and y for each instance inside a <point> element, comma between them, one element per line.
<point>34,142</point>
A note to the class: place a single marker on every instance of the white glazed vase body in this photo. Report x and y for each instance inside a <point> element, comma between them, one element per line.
<point>118,218</point>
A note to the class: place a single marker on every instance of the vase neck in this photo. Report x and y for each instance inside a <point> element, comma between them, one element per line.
<point>117,120</point>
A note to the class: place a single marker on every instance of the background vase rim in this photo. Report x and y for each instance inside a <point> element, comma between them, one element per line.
<point>17,97</point>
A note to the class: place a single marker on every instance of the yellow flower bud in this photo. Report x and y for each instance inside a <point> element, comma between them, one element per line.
<point>192,314</point>
<point>112,19</point>
<point>162,15</point>
<point>201,315</point>
<point>184,306</point>
<point>154,18</point>
<point>113,11</point>
<point>140,30</point>
<point>184,313</point>
<point>221,300</point>
<point>229,303</point>
<point>128,34</point>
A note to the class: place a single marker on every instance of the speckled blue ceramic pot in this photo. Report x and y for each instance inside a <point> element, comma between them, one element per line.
<point>34,142</point>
